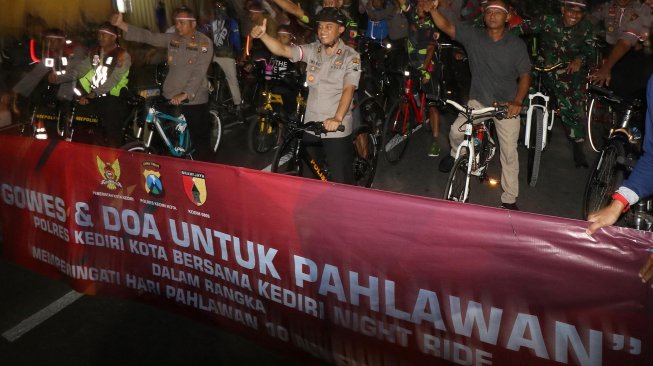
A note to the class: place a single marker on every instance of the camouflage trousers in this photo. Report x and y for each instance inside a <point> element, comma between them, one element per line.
<point>568,91</point>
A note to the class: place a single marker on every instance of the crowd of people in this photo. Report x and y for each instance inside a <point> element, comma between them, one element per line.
<point>604,42</point>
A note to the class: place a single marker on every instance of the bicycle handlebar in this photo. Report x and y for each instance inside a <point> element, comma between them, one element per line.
<point>318,127</point>
<point>555,67</point>
<point>499,112</point>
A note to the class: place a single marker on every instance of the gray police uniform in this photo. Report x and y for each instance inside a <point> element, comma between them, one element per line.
<point>188,62</point>
<point>628,23</point>
<point>326,77</point>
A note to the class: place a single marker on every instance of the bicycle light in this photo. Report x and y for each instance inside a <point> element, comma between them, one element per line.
<point>493,182</point>
<point>406,73</point>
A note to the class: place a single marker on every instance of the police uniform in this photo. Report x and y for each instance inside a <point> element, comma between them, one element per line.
<point>631,24</point>
<point>188,62</point>
<point>326,76</point>
<point>622,23</point>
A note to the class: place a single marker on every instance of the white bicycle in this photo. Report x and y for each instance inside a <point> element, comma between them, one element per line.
<point>475,151</point>
<point>539,121</point>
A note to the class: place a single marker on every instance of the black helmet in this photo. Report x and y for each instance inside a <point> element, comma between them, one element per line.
<point>332,15</point>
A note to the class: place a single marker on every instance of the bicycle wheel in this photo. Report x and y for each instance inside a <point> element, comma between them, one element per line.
<point>606,176</point>
<point>365,157</point>
<point>286,158</point>
<point>216,131</point>
<point>394,141</point>
<point>600,119</point>
<point>458,180</point>
<point>262,134</point>
<point>535,146</point>
<point>139,146</point>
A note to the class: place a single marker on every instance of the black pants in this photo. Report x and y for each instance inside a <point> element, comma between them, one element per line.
<point>197,117</point>
<point>112,111</point>
<point>339,155</point>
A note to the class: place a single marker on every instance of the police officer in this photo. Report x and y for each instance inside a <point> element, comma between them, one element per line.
<point>104,75</point>
<point>332,75</point>
<point>35,88</point>
<point>625,68</point>
<point>189,55</point>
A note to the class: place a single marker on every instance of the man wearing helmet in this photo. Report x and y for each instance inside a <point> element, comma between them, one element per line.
<point>332,74</point>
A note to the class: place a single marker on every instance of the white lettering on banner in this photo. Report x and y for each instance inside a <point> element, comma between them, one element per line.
<point>175,275</point>
<point>458,353</point>
<point>51,227</point>
<point>197,301</point>
<point>142,284</point>
<point>77,271</point>
<point>207,266</point>
<point>203,240</point>
<point>468,320</point>
<point>371,327</point>
<point>99,240</point>
<point>290,299</point>
<point>147,249</point>
<point>130,222</point>
<point>234,295</point>
<point>48,205</point>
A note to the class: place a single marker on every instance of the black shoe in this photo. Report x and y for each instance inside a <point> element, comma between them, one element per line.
<point>446,163</point>
<point>579,155</point>
<point>509,206</point>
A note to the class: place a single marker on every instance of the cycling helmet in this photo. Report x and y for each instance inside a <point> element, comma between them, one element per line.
<point>332,15</point>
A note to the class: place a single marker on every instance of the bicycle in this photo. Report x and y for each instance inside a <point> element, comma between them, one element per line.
<point>474,153</point>
<point>292,155</point>
<point>407,116</point>
<point>224,113</point>
<point>172,131</point>
<point>265,133</point>
<point>617,156</point>
<point>540,115</point>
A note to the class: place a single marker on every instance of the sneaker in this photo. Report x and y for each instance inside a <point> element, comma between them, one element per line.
<point>434,150</point>
<point>509,206</point>
<point>446,163</point>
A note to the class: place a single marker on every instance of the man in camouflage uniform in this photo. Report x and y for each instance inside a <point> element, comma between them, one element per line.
<point>566,37</point>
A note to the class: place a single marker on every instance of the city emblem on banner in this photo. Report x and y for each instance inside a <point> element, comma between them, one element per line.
<point>153,184</point>
<point>110,173</point>
<point>194,186</point>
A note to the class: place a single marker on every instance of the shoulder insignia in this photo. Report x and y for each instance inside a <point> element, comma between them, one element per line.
<point>355,60</point>
<point>339,51</point>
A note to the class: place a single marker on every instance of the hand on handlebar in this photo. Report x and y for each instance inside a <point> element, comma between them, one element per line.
<point>601,77</point>
<point>332,124</point>
<point>574,66</point>
<point>514,108</point>
<point>179,99</point>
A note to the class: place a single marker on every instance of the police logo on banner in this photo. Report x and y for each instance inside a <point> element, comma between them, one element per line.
<point>194,186</point>
<point>153,184</point>
<point>110,173</point>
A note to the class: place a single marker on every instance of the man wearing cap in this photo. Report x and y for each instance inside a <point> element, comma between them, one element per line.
<point>501,73</point>
<point>567,37</point>
<point>332,75</point>
<point>625,68</point>
<point>103,75</point>
<point>189,55</point>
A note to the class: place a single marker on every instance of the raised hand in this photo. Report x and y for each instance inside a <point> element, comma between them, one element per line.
<point>259,30</point>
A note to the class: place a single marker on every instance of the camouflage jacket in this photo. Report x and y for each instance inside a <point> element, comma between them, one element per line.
<point>558,43</point>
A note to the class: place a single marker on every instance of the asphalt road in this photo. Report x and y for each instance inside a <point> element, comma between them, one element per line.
<point>103,331</point>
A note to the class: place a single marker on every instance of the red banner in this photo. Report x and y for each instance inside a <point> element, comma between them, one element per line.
<point>347,275</point>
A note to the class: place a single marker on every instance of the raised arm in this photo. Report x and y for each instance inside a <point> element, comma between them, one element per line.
<point>291,8</point>
<point>441,21</point>
<point>271,43</point>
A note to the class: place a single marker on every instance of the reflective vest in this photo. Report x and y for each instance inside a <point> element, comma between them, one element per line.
<point>100,71</point>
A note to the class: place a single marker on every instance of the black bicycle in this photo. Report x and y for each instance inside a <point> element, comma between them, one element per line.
<point>619,152</point>
<point>292,156</point>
